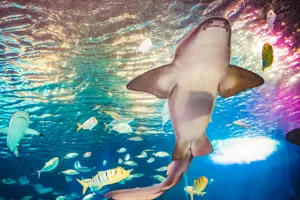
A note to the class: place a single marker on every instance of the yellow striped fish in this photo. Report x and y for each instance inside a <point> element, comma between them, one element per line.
<point>106,177</point>
<point>198,187</point>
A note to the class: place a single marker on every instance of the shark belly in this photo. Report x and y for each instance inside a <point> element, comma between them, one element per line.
<point>16,132</point>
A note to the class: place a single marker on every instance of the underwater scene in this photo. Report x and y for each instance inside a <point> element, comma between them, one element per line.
<point>146,99</point>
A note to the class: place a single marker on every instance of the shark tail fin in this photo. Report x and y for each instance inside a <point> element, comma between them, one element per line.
<point>84,185</point>
<point>181,149</point>
<point>159,81</point>
<point>201,146</point>
<point>79,126</point>
<point>154,191</point>
<point>238,80</point>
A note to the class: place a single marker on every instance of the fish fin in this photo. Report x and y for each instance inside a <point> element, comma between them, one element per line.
<point>30,131</point>
<point>191,194</point>
<point>4,130</point>
<point>79,126</point>
<point>238,80</point>
<point>159,82</point>
<point>84,185</point>
<point>201,146</point>
<point>107,127</point>
<point>39,174</point>
<point>181,149</point>
<point>203,193</point>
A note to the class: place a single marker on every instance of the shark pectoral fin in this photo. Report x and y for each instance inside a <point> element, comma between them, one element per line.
<point>238,80</point>
<point>181,149</point>
<point>4,130</point>
<point>33,132</point>
<point>159,81</point>
<point>201,146</point>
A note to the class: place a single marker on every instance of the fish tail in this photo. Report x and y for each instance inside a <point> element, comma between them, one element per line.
<point>84,185</point>
<point>156,190</point>
<point>203,193</point>
<point>79,126</point>
<point>106,126</point>
<point>191,195</point>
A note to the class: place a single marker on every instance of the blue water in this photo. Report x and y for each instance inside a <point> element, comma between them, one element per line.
<point>64,62</point>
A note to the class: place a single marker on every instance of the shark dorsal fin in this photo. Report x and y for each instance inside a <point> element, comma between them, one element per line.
<point>159,81</point>
<point>238,80</point>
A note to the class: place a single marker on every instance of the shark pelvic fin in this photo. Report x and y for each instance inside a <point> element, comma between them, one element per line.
<point>159,81</point>
<point>201,147</point>
<point>238,80</point>
<point>181,149</point>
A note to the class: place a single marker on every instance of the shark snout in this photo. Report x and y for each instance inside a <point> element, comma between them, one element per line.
<point>216,22</point>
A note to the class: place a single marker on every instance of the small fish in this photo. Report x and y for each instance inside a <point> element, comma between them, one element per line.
<point>49,166</point>
<point>70,172</point>
<point>241,124</point>
<point>127,157</point>
<point>161,154</point>
<point>23,180</point>
<point>104,162</point>
<point>199,185</point>
<point>68,178</point>
<point>211,181</point>
<point>150,160</point>
<point>120,161</point>
<point>8,181</point>
<point>162,169</point>
<point>40,189</point>
<point>27,198</point>
<point>122,150</point>
<point>87,154</point>
<point>145,46</point>
<point>71,155</point>
<point>60,198</point>
<point>122,120</point>
<point>120,128</point>
<point>159,178</point>
<point>106,177</point>
<point>89,196</point>
<point>149,149</point>
<point>80,168</point>
<point>130,163</point>
<point>267,56</point>
<point>293,136</point>
<point>88,124</point>
<point>271,17</point>
<point>136,138</point>
<point>143,155</point>
<point>114,115</point>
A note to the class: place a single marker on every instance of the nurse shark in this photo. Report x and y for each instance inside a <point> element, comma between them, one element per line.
<point>200,70</point>
<point>18,127</point>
